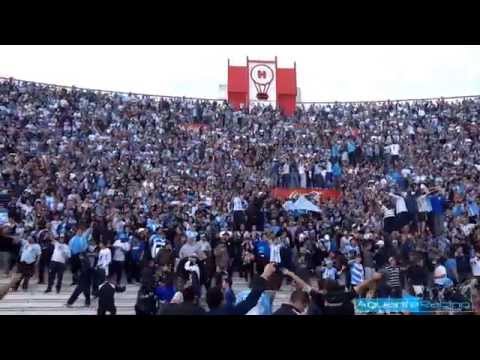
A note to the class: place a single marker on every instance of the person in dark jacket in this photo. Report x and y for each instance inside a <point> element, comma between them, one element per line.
<point>84,282</point>
<point>412,207</point>
<point>463,263</point>
<point>148,274</point>
<point>43,238</point>
<point>146,301</point>
<point>380,256</point>
<point>417,277</point>
<point>218,306</point>
<point>106,296</point>
<point>189,305</point>
<point>9,245</point>
<point>255,214</point>
<point>299,301</point>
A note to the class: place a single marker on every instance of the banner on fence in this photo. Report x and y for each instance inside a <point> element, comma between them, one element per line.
<point>320,194</point>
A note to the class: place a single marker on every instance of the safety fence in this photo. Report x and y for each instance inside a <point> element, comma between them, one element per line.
<point>304,103</point>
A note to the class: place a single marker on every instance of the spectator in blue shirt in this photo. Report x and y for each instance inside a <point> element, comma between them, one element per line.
<point>473,210</point>
<point>78,245</point>
<point>262,253</point>
<point>228,293</point>
<point>438,202</point>
<point>351,149</point>
<point>451,266</point>
<point>165,291</point>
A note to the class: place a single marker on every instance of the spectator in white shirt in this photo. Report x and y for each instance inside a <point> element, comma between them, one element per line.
<point>104,258</point>
<point>275,247</point>
<point>61,253</point>
<point>30,252</point>
<point>204,245</point>
<point>285,174</point>
<point>189,249</point>
<point>475,264</point>
<point>389,221</point>
<point>401,211</point>
<point>395,152</point>
<point>54,225</point>
<point>120,248</point>
<point>424,206</point>
<point>239,207</point>
<point>303,174</point>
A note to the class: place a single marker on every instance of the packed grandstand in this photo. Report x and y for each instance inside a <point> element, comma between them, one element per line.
<point>341,203</point>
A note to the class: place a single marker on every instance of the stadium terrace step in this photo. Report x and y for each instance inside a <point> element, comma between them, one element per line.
<point>35,302</point>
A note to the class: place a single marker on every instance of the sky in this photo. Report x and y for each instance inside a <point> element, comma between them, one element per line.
<point>324,73</point>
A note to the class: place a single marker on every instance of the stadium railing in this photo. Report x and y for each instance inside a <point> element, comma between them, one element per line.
<point>304,103</point>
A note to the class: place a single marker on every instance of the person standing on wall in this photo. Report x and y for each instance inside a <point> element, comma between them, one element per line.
<point>239,206</point>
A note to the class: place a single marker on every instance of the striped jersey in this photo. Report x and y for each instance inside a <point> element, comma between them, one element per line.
<point>387,213</point>
<point>357,273</point>
<point>393,276</point>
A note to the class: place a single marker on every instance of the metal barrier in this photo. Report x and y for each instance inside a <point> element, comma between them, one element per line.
<point>447,99</point>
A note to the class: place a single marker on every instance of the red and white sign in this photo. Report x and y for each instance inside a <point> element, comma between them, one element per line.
<point>262,82</point>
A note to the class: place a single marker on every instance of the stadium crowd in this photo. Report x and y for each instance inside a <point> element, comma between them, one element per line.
<point>175,194</point>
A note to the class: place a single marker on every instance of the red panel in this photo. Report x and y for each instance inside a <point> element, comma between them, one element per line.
<point>286,82</point>
<point>237,79</point>
<point>237,98</point>
<point>287,103</point>
<point>237,86</point>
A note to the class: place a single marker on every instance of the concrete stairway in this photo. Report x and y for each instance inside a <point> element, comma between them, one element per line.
<point>36,302</point>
